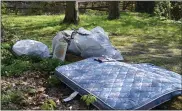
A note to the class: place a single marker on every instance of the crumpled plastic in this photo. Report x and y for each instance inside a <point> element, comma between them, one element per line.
<point>94,43</point>
<point>31,47</point>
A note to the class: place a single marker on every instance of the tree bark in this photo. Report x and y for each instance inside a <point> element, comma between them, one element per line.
<point>71,12</point>
<point>113,10</point>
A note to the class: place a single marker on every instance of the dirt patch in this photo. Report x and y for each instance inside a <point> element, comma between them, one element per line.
<point>33,90</point>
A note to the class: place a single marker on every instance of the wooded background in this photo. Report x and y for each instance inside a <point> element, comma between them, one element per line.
<point>169,9</point>
<point>59,7</point>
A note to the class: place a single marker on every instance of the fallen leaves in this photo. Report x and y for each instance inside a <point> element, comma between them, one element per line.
<point>40,90</point>
<point>32,85</point>
<point>24,83</point>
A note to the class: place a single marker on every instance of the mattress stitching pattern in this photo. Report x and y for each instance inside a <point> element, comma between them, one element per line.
<point>91,62</point>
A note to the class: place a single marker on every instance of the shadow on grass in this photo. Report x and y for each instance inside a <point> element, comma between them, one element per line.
<point>36,31</point>
<point>154,51</point>
<point>41,25</point>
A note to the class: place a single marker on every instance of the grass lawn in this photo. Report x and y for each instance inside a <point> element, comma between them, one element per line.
<point>139,37</point>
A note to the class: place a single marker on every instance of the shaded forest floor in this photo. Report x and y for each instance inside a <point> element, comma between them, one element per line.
<point>28,82</point>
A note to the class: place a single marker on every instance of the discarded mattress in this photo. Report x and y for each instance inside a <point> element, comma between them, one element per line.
<point>119,85</point>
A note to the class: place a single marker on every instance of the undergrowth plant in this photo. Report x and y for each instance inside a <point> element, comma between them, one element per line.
<point>11,96</point>
<point>88,99</point>
<point>48,105</point>
<point>53,81</point>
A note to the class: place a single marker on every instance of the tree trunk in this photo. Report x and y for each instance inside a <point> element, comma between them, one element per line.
<point>71,12</point>
<point>113,10</point>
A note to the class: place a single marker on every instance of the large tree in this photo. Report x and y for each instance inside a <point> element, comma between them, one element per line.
<point>113,10</point>
<point>71,12</point>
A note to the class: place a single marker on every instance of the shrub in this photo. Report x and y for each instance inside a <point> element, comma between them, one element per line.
<point>169,10</point>
<point>163,9</point>
<point>3,8</point>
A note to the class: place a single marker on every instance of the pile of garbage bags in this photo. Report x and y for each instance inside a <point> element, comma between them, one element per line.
<point>94,43</point>
<point>81,42</point>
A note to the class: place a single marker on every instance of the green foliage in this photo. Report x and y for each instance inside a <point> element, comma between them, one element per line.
<point>6,57</point>
<point>163,9</point>
<point>168,9</point>
<point>20,65</point>
<point>11,97</point>
<point>53,80</point>
<point>88,99</point>
<point>31,91</point>
<point>48,105</point>
<point>16,68</point>
<point>47,64</point>
<point>33,8</point>
<point>5,46</point>
<point>3,8</point>
<point>33,59</point>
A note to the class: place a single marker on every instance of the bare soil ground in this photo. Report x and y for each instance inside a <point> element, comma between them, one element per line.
<point>34,91</point>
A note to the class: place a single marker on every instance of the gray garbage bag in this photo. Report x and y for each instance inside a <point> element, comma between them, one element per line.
<point>77,45</point>
<point>59,37</point>
<point>100,31</point>
<point>94,43</point>
<point>31,47</point>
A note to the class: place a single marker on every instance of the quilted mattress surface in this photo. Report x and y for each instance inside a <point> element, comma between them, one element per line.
<point>119,85</point>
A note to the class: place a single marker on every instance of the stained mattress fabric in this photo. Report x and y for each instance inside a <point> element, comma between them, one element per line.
<point>119,85</point>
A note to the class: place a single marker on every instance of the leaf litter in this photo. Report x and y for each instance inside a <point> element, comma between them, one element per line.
<point>35,91</point>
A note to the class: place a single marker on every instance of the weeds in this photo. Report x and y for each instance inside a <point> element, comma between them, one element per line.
<point>16,68</point>
<point>88,99</point>
<point>48,105</point>
<point>12,97</point>
<point>53,81</point>
<point>47,64</point>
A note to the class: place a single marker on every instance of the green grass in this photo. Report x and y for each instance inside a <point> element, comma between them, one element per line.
<point>140,38</point>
